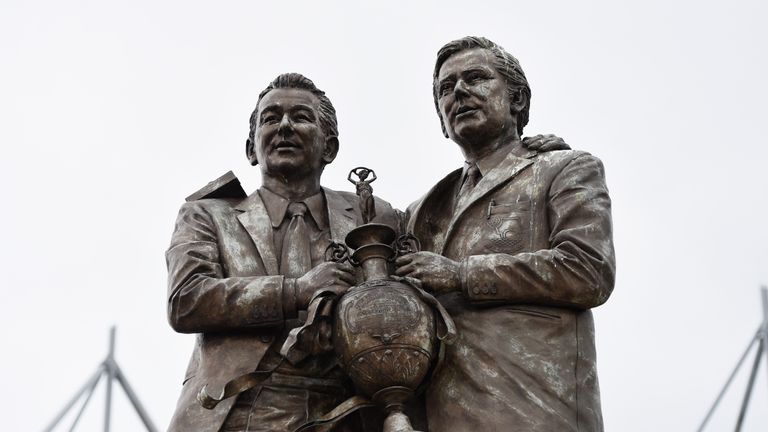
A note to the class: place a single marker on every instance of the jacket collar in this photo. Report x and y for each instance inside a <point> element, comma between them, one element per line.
<point>341,215</point>
<point>257,222</point>
<point>508,168</point>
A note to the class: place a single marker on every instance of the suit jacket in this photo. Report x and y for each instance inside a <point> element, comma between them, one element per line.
<point>535,246</point>
<point>223,284</point>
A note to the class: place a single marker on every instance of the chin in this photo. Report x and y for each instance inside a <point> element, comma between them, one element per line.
<point>468,132</point>
<point>285,166</point>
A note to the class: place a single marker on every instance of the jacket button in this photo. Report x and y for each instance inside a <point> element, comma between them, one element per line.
<point>266,338</point>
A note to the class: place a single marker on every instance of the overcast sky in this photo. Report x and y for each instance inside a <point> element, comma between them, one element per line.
<point>113,112</point>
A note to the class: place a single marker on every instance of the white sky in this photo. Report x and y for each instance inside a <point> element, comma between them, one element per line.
<point>113,112</point>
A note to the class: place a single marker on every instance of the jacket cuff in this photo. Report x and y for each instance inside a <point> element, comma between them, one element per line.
<point>475,287</point>
<point>289,298</point>
<point>266,307</point>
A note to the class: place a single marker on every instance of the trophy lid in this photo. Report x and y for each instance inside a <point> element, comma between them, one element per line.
<point>370,233</point>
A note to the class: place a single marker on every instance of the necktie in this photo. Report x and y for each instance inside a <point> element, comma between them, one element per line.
<point>473,176</point>
<point>295,259</point>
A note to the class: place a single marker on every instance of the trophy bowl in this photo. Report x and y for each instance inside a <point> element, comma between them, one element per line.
<point>384,333</point>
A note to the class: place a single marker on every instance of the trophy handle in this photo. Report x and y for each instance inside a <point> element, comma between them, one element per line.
<point>405,244</point>
<point>338,253</point>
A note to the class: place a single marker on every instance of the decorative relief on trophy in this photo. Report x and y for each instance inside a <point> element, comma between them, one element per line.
<point>384,328</point>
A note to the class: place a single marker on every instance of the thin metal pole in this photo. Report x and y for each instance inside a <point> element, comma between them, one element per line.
<point>109,365</point>
<point>85,403</point>
<point>134,399</point>
<point>68,406</point>
<point>729,381</point>
<point>764,295</point>
<point>750,386</point>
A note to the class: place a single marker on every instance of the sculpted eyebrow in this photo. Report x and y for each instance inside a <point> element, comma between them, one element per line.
<point>302,108</point>
<point>445,80</point>
<point>481,69</point>
<point>268,109</point>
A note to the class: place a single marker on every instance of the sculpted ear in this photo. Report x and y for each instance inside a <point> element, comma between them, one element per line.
<point>250,152</point>
<point>330,150</point>
<point>517,101</point>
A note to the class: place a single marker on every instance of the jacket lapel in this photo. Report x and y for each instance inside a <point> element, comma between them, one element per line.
<point>418,211</point>
<point>256,222</point>
<point>502,173</point>
<point>341,215</point>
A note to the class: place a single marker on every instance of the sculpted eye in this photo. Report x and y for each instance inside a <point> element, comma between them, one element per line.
<point>303,117</point>
<point>269,119</point>
<point>445,88</point>
<point>476,77</point>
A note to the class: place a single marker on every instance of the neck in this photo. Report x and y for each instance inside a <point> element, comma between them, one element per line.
<point>293,189</point>
<point>474,152</point>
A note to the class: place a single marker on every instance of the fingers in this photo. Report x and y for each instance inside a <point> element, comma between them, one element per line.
<point>406,270</point>
<point>346,277</point>
<point>405,259</point>
<point>534,142</point>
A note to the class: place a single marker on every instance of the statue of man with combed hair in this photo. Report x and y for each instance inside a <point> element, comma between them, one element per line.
<point>517,245</point>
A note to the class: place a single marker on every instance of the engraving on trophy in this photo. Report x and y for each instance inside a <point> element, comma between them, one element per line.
<point>406,365</point>
<point>383,313</point>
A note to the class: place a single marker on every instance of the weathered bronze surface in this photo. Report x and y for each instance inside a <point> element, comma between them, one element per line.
<point>518,257</point>
<point>364,191</point>
<point>225,281</point>
<point>516,246</point>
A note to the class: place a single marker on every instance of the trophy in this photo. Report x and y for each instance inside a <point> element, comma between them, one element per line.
<point>386,329</point>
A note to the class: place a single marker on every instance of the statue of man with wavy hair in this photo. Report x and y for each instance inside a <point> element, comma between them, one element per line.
<point>517,245</point>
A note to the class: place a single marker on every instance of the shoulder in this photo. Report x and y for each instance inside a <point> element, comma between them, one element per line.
<point>566,160</point>
<point>222,193</point>
<point>559,155</point>
<point>226,186</point>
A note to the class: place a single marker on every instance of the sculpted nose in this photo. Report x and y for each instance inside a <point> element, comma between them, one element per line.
<point>286,126</point>
<point>461,90</point>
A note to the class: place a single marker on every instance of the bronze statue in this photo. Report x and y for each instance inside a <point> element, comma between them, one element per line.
<point>248,273</point>
<point>517,246</point>
<point>243,270</point>
<point>364,191</point>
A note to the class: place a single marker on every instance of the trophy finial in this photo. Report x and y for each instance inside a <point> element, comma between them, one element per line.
<point>364,191</point>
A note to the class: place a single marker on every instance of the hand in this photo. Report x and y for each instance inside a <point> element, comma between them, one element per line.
<point>337,277</point>
<point>545,143</point>
<point>436,272</point>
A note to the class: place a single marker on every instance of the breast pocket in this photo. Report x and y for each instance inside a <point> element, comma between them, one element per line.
<point>509,226</point>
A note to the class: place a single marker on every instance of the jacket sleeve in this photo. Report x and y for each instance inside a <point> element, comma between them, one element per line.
<point>200,298</point>
<point>579,267</point>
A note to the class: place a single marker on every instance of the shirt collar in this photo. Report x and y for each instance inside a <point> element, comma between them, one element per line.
<point>493,159</point>
<point>277,205</point>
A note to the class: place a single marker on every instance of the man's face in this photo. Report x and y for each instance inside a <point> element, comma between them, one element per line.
<point>289,140</point>
<point>473,99</point>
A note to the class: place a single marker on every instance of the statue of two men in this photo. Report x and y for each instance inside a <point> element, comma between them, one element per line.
<point>517,245</point>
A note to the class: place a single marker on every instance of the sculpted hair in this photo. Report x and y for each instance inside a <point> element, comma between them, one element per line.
<point>504,63</point>
<point>327,114</point>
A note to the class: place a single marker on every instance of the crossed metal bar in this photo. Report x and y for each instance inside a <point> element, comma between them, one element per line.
<point>111,371</point>
<point>761,340</point>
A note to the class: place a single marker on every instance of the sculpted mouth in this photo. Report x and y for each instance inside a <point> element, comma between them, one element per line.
<point>284,145</point>
<point>464,109</point>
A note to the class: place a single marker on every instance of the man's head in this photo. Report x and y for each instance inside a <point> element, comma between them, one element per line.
<point>293,128</point>
<point>464,55</point>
